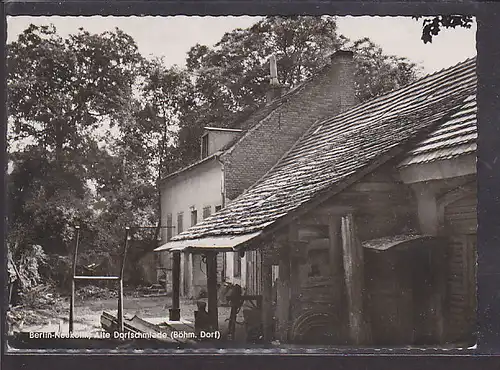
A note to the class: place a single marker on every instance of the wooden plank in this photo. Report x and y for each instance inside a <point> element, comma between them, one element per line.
<point>120,282</point>
<point>375,186</point>
<point>174,313</point>
<point>212,289</point>
<point>267,300</point>
<point>354,279</point>
<point>332,210</point>
<point>295,282</point>
<point>337,290</point>
<point>335,247</point>
<point>73,274</point>
<point>283,294</point>
<point>97,278</point>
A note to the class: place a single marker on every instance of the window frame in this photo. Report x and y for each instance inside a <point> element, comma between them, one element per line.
<point>180,222</point>
<point>207,211</point>
<point>170,227</point>
<point>204,146</point>
<point>194,217</point>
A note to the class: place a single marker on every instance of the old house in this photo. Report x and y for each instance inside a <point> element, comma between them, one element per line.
<point>370,220</point>
<point>232,160</point>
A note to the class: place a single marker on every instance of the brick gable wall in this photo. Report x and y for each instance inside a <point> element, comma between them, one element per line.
<point>327,94</point>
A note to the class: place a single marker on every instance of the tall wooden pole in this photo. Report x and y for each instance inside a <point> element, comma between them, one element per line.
<point>335,256</point>
<point>354,279</point>
<point>212,289</point>
<point>267,299</point>
<point>120,282</point>
<point>72,299</point>
<point>283,306</point>
<point>175,312</point>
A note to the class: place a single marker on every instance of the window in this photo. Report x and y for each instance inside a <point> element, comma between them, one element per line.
<point>169,227</point>
<point>218,208</point>
<point>194,217</point>
<point>236,264</point>
<point>207,211</point>
<point>204,146</point>
<point>180,226</point>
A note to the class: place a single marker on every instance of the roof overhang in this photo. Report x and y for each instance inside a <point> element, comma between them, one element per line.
<point>441,169</point>
<point>225,243</point>
<point>387,243</point>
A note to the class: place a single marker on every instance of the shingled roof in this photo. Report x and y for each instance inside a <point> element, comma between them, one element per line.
<point>455,137</point>
<point>432,118</point>
<point>250,120</point>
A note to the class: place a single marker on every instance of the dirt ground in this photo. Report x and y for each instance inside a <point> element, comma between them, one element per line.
<point>88,312</point>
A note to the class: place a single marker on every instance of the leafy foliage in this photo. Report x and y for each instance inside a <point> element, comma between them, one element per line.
<point>65,96</point>
<point>432,25</point>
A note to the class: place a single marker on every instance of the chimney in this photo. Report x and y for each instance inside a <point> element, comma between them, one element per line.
<point>342,72</point>
<point>275,89</point>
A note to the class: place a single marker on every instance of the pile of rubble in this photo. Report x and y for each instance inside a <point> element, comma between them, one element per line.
<point>95,292</point>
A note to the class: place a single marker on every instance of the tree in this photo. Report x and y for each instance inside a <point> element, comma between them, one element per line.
<point>378,73</point>
<point>60,90</point>
<point>231,78</point>
<point>62,93</point>
<point>431,26</point>
<point>164,96</point>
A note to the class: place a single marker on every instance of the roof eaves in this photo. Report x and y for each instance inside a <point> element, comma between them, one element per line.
<point>213,156</point>
<point>208,128</point>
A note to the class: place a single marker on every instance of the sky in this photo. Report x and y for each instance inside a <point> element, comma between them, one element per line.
<point>171,37</point>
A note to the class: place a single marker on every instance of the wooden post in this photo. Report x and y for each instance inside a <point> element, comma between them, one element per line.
<point>335,250</point>
<point>212,289</point>
<point>72,299</point>
<point>283,306</point>
<point>354,279</point>
<point>120,283</point>
<point>267,299</point>
<point>297,250</point>
<point>175,311</point>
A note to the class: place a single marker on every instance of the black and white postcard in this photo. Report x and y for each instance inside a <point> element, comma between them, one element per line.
<point>242,182</point>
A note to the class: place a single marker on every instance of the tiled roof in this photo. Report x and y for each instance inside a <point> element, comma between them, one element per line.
<point>455,137</point>
<point>334,151</point>
<point>254,118</point>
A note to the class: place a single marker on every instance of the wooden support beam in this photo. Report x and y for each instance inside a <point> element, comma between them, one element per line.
<point>335,257</point>
<point>298,254</point>
<point>97,278</point>
<point>354,280</point>
<point>175,312</point>
<point>212,289</point>
<point>267,300</point>
<point>333,209</point>
<point>72,299</point>
<point>283,305</point>
<point>120,282</point>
